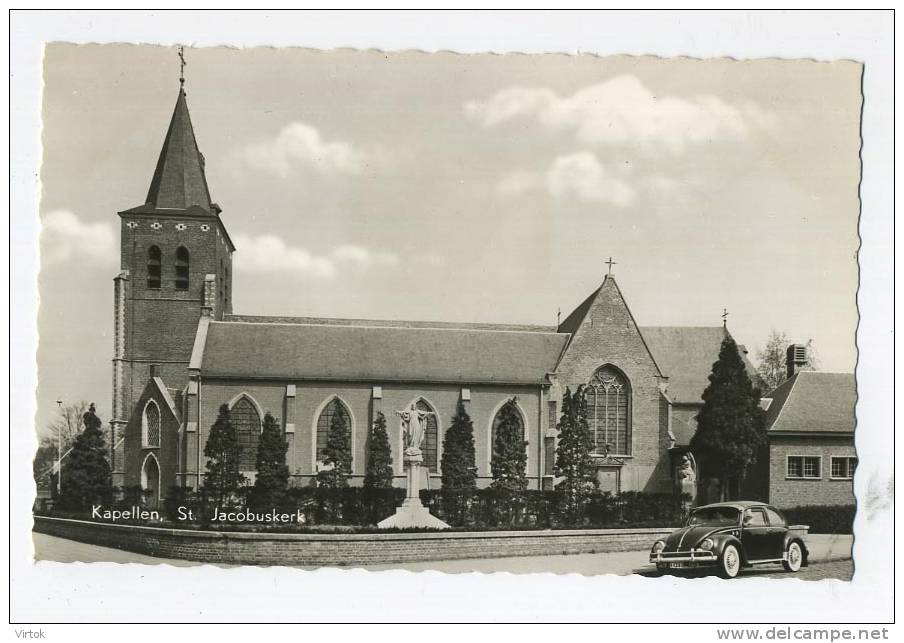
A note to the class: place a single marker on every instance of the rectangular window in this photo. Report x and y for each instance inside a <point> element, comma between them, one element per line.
<point>802,466</point>
<point>553,414</point>
<point>843,467</point>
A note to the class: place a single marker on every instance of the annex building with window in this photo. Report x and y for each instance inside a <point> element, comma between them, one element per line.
<point>810,458</point>
<point>180,353</point>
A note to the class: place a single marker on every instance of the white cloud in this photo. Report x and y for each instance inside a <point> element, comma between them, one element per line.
<point>364,257</point>
<point>518,182</point>
<point>267,254</point>
<point>66,238</point>
<point>623,111</point>
<point>582,175</point>
<point>300,144</point>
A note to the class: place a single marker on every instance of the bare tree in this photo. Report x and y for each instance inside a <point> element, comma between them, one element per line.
<point>60,433</point>
<point>773,369</point>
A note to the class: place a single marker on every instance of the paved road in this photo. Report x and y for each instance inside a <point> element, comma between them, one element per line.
<point>63,550</point>
<point>840,569</point>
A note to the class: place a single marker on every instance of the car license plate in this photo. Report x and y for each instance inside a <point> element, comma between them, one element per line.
<point>676,565</point>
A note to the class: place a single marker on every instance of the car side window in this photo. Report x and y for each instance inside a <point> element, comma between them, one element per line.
<point>755,518</point>
<point>775,518</point>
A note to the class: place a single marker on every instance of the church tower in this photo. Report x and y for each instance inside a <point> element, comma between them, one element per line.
<point>176,265</point>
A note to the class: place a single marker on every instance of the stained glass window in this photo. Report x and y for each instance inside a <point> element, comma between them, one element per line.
<point>431,437</point>
<point>247,425</point>
<point>498,420</point>
<point>151,425</point>
<point>609,412</point>
<point>336,407</point>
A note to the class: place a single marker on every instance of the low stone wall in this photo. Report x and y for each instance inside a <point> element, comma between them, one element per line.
<point>317,550</point>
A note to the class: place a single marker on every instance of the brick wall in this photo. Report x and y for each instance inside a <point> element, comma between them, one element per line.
<point>344,550</point>
<point>158,325</point>
<point>785,492</point>
<point>167,454</point>
<point>311,397</point>
<point>608,335</point>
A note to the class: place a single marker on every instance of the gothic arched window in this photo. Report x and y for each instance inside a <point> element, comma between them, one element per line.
<point>431,437</point>
<point>150,425</point>
<point>334,409</point>
<point>609,411</point>
<point>154,267</point>
<point>508,412</point>
<point>182,261</point>
<point>247,424</point>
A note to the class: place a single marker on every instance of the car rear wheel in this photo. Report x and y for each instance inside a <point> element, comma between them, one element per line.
<point>793,558</point>
<point>730,562</point>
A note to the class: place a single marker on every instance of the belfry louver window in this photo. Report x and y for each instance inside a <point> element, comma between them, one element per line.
<point>154,267</point>
<point>182,265</point>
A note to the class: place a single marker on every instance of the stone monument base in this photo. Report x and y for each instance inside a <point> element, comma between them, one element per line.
<point>412,514</point>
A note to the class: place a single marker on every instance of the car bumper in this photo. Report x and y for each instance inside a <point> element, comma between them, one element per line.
<point>679,559</point>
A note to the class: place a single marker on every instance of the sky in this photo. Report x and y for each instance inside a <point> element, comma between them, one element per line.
<point>462,188</point>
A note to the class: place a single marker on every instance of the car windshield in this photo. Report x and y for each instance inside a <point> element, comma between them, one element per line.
<point>714,516</point>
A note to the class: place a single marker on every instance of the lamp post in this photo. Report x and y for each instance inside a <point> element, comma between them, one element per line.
<point>60,453</point>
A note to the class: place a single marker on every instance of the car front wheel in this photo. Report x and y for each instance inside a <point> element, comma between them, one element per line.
<point>730,562</point>
<point>793,558</point>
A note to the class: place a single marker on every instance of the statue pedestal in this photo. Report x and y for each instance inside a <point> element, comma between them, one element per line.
<point>412,513</point>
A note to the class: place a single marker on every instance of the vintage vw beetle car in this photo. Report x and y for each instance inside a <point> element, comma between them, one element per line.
<point>732,535</point>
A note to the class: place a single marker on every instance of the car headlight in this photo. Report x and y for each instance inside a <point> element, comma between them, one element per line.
<point>707,544</point>
<point>658,546</point>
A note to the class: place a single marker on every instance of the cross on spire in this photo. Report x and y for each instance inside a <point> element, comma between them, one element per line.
<point>724,318</point>
<point>182,64</point>
<point>610,263</point>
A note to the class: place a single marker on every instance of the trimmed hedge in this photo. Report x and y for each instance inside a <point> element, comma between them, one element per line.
<point>463,509</point>
<point>823,519</point>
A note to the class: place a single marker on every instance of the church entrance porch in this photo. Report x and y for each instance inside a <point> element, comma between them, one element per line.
<point>150,481</point>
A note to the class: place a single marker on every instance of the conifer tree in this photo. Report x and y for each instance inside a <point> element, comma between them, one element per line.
<point>86,471</point>
<point>272,478</point>
<point>379,456</point>
<point>573,462</point>
<point>509,460</point>
<point>731,426</point>
<point>222,450</point>
<point>337,454</point>
<point>458,465</point>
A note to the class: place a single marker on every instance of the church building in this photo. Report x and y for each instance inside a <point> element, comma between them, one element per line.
<point>180,352</point>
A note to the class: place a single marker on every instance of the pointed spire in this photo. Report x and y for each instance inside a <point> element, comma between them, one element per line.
<point>179,181</point>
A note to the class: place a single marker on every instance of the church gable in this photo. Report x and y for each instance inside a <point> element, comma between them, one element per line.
<point>153,428</point>
<point>603,331</point>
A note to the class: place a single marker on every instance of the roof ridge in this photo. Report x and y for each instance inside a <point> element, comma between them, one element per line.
<point>431,328</point>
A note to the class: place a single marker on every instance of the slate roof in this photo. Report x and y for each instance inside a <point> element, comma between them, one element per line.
<point>179,181</point>
<point>686,355</point>
<point>573,321</point>
<point>813,402</point>
<point>379,353</point>
<point>394,323</point>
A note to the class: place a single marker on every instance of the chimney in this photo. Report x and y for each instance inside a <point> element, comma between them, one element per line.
<point>796,359</point>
